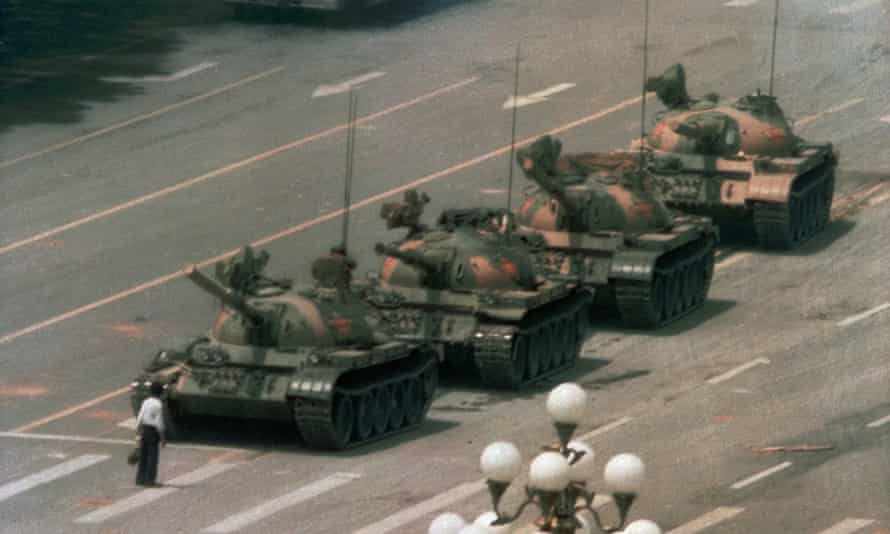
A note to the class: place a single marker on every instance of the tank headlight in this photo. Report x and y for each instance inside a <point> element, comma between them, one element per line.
<point>134,385</point>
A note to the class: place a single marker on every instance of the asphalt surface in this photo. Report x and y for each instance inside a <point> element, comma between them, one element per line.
<point>224,144</point>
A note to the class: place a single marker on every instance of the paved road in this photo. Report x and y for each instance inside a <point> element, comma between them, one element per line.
<point>225,144</point>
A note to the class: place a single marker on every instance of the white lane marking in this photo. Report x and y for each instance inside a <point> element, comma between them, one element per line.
<point>885,118</point>
<point>342,87</point>
<point>293,229</point>
<point>141,118</point>
<point>708,520</point>
<point>242,519</point>
<point>848,526</point>
<point>864,315</point>
<point>129,424</point>
<point>738,370</point>
<point>880,422</point>
<point>732,260</point>
<point>760,476</point>
<point>175,77</point>
<point>421,509</point>
<point>492,191</point>
<point>48,475</point>
<point>536,98</point>
<point>150,495</point>
<point>740,3</point>
<point>107,441</point>
<point>605,428</point>
<point>854,7</point>
<point>840,107</point>
<point>231,168</point>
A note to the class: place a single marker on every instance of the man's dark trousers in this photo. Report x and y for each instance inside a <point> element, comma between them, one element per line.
<point>147,472</point>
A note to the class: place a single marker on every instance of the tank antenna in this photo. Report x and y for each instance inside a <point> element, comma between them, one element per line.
<point>350,156</point>
<point>645,69</point>
<point>513,131</point>
<point>772,63</point>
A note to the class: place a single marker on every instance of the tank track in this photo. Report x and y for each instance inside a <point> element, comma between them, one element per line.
<point>316,420</point>
<point>679,286</point>
<point>787,225</point>
<point>544,344</point>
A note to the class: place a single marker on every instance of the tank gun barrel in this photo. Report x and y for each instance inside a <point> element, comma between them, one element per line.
<point>228,296</point>
<point>410,257</point>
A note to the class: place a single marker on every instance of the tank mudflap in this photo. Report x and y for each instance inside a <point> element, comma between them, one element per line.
<point>393,398</point>
<point>547,342</point>
<point>787,225</point>
<point>679,286</point>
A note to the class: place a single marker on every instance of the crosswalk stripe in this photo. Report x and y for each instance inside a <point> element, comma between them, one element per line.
<point>242,519</point>
<point>421,509</point>
<point>714,517</point>
<point>150,495</point>
<point>848,526</point>
<point>48,475</point>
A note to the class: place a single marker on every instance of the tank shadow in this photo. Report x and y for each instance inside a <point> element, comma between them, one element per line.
<point>710,309</point>
<point>56,57</point>
<point>271,436</point>
<point>377,17</point>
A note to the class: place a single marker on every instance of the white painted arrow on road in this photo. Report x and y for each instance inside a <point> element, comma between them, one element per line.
<point>536,98</point>
<point>342,87</point>
<point>176,76</point>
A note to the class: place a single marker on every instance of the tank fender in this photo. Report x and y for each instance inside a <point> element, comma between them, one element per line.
<point>633,265</point>
<point>770,187</point>
<point>314,383</point>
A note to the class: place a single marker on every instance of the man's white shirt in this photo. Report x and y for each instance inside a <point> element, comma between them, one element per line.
<point>151,413</point>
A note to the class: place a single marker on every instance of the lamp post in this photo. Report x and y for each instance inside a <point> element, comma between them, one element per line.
<point>557,481</point>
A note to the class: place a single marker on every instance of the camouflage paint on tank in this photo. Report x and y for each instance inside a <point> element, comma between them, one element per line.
<point>739,161</point>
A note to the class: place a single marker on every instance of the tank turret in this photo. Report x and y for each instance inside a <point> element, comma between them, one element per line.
<point>586,193</point>
<point>740,162</point>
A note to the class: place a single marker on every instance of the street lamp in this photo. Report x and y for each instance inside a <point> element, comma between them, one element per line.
<point>557,479</point>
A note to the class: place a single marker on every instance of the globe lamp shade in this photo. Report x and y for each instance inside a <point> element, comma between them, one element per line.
<point>567,403</point>
<point>549,472</point>
<point>642,526</point>
<point>501,461</point>
<point>447,524</point>
<point>485,521</point>
<point>624,473</point>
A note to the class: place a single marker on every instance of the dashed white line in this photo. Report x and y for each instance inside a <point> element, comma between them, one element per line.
<point>864,315</point>
<point>536,98</point>
<point>880,422</point>
<point>760,476</point>
<point>129,424</point>
<point>840,107</point>
<point>885,118</point>
<point>342,87</point>
<point>242,519</point>
<point>106,441</point>
<point>740,3</point>
<point>605,428</point>
<point>140,118</point>
<point>708,520</point>
<point>413,513</point>
<point>854,7</point>
<point>848,526</point>
<point>48,475</point>
<point>150,495</point>
<point>176,76</point>
<point>738,370</point>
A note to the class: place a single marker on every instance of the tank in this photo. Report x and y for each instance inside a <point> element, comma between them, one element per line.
<point>739,162</point>
<point>472,290</point>
<point>595,220</point>
<point>320,357</point>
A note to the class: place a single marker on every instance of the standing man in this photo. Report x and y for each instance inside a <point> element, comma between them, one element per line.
<point>150,424</point>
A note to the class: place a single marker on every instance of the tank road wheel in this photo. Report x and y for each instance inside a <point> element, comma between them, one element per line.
<point>560,343</point>
<point>364,416</point>
<point>343,419</point>
<point>690,284</point>
<point>536,345</point>
<point>382,409</point>
<point>414,401</point>
<point>399,403</point>
<point>519,360</point>
<point>549,347</point>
